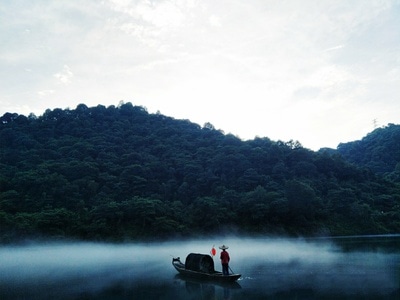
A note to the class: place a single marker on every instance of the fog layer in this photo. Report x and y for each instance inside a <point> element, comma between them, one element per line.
<point>268,266</point>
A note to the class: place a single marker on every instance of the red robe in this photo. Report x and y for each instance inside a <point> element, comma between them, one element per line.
<point>224,257</point>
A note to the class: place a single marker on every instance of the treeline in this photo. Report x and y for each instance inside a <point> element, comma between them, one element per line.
<point>120,173</point>
<point>379,151</point>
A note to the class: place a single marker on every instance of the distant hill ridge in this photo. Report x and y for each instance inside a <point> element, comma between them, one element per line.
<point>379,150</point>
<point>121,173</point>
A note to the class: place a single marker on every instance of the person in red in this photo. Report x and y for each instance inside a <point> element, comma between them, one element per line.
<point>224,259</point>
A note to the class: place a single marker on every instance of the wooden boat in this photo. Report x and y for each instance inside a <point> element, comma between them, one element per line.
<point>201,266</point>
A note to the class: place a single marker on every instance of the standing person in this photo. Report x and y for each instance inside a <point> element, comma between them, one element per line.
<point>224,259</point>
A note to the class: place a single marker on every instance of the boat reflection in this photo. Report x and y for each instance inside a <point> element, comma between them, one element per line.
<point>205,289</point>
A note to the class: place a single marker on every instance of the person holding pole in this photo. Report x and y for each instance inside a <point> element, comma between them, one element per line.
<point>224,259</point>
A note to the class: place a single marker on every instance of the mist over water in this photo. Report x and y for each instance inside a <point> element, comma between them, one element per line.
<point>269,267</point>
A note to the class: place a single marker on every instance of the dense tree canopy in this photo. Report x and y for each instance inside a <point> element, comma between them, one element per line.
<point>121,173</point>
<point>378,151</point>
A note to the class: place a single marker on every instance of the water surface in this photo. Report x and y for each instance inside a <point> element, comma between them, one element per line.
<point>345,268</point>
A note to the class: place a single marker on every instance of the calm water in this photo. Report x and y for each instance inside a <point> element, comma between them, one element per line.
<point>271,268</point>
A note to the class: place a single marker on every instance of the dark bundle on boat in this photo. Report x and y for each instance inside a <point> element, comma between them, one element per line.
<point>200,263</point>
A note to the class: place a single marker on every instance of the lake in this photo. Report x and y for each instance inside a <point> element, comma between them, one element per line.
<point>273,268</point>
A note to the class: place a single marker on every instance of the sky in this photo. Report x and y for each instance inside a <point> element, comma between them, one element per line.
<point>319,72</point>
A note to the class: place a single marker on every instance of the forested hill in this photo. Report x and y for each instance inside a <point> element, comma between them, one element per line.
<point>120,173</point>
<point>379,151</point>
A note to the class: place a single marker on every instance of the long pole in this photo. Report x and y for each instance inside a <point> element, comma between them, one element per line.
<point>231,269</point>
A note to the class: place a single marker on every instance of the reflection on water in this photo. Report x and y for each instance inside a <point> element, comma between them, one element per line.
<point>350,268</point>
<point>204,290</point>
<point>201,289</point>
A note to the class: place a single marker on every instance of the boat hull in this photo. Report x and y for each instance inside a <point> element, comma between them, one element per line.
<point>214,276</point>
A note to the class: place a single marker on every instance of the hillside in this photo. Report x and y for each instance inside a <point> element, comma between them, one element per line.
<point>120,173</point>
<point>379,151</point>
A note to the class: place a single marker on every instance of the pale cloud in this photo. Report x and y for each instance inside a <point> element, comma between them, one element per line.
<point>313,71</point>
<point>45,93</point>
<point>155,24</point>
<point>164,14</point>
<point>215,21</point>
<point>65,76</point>
<point>334,48</point>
